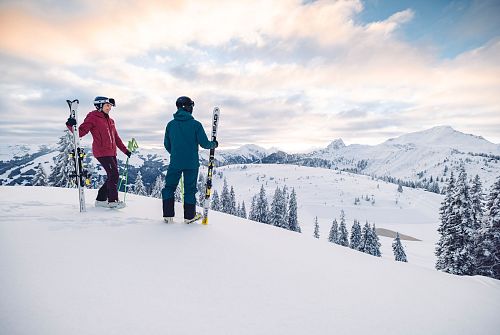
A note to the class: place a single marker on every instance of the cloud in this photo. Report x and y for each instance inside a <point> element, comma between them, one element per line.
<point>293,75</point>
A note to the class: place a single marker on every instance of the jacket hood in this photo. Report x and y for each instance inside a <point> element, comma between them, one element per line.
<point>99,114</point>
<point>182,115</point>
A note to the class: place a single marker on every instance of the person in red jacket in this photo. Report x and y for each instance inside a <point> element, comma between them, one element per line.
<point>105,140</point>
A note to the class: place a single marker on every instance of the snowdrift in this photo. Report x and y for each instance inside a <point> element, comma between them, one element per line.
<point>126,272</point>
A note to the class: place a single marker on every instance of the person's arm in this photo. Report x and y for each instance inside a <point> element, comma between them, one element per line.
<point>84,128</point>
<point>166,141</point>
<point>202,138</point>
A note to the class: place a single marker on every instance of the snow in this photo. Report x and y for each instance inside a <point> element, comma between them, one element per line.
<point>324,193</point>
<point>126,272</point>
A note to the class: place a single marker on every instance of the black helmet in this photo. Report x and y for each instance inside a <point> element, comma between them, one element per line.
<point>100,101</point>
<point>185,103</point>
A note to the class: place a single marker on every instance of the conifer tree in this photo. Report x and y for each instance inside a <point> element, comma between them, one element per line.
<point>139,187</point>
<point>376,242</point>
<point>316,227</point>
<point>477,199</point>
<point>333,237</point>
<point>252,215</point>
<point>201,190</point>
<point>232,203</point>
<point>356,236</point>
<point>225,198</point>
<point>443,245</point>
<point>487,255</point>
<point>177,193</point>
<point>243,210</point>
<point>262,207</point>
<point>64,165</point>
<point>216,205</point>
<point>397,248</point>
<point>158,186</point>
<point>343,236</point>
<point>293,223</point>
<point>369,241</point>
<point>457,241</point>
<point>277,215</point>
<point>40,178</point>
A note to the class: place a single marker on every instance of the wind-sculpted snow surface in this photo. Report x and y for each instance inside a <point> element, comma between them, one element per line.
<point>126,272</point>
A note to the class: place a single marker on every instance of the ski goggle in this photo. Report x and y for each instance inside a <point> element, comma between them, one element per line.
<point>110,101</point>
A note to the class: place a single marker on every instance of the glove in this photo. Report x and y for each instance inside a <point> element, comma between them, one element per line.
<point>128,153</point>
<point>216,143</point>
<point>71,122</point>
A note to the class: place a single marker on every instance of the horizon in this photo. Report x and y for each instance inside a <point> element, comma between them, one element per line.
<point>301,75</point>
<point>86,141</point>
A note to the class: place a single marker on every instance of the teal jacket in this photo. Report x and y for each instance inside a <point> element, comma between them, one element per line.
<point>182,137</point>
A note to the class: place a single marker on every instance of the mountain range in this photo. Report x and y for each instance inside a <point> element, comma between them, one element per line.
<point>421,157</point>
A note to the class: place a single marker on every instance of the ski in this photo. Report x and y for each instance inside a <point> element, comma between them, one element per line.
<point>211,164</point>
<point>78,155</point>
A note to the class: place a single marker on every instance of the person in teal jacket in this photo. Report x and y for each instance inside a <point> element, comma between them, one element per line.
<point>183,135</point>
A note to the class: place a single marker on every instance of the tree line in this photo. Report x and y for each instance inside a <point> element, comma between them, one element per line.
<point>469,242</point>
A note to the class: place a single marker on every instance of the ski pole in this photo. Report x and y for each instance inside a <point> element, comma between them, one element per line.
<point>132,147</point>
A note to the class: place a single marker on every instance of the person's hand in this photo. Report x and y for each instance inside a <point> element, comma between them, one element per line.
<point>216,144</point>
<point>128,153</point>
<point>71,121</point>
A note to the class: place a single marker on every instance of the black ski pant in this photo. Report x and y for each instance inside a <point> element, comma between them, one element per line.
<point>109,190</point>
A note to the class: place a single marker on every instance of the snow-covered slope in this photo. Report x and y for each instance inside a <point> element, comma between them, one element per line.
<point>126,272</point>
<point>324,193</point>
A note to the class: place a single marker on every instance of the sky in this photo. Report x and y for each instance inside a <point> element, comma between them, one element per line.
<point>288,74</point>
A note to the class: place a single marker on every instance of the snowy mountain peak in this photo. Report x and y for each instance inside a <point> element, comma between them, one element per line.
<point>336,144</point>
<point>445,136</point>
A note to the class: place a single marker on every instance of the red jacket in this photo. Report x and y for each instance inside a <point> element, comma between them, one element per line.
<point>104,134</point>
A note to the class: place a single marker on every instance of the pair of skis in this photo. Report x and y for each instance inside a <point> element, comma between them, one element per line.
<point>211,165</point>
<point>78,154</point>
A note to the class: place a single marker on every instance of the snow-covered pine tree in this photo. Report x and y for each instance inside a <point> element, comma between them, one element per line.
<point>293,222</point>
<point>343,237</point>
<point>251,215</point>
<point>277,215</point>
<point>333,237</point>
<point>477,199</point>
<point>40,178</point>
<point>158,186</point>
<point>215,205</point>
<point>225,198</point>
<point>243,210</point>
<point>397,248</point>
<point>64,165</point>
<point>201,190</point>
<point>366,237</point>
<point>316,227</point>
<point>232,203</point>
<point>177,194</point>
<point>139,187</point>
<point>262,207</point>
<point>376,243</point>
<point>459,253</point>
<point>444,257</point>
<point>356,236</point>
<point>487,254</point>
<point>286,199</point>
